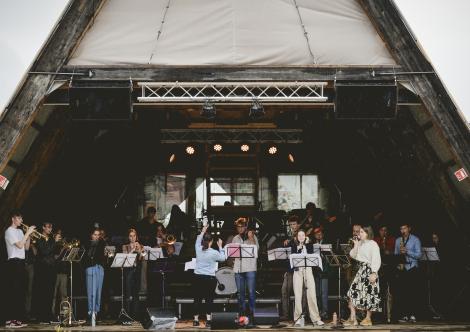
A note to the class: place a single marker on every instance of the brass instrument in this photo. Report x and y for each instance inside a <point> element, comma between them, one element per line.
<point>401,266</point>
<point>69,245</point>
<point>65,312</point>
<point>35,235</point>
<point>170,239</point>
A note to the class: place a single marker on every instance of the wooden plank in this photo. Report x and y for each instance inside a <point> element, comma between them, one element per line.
<point>41,153</point>
<point>53,56</point>
<point>389,23</point>
<point>248,73</point>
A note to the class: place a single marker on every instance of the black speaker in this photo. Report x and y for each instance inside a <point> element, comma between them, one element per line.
<point>100,100</point>
<point>266,316</point>
<point>224,320</point>
<point>359,100</point>
<point>159,319</point>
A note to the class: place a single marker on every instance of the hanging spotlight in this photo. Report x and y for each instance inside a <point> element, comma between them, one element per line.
<point>217,147</point>
<point>272,150</point>
<point>190,150</point>
<point>291,157</point>
<point>208,110</point>
<point>172,158</point>
<point>256,110</point>
<point>245,147</point>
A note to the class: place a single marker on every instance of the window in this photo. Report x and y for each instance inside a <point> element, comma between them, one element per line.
<point>294,191</point>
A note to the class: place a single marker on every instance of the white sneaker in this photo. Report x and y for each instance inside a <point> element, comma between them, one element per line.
<point>318,323</point>
<point>300,322</point>
<point>412,319</point>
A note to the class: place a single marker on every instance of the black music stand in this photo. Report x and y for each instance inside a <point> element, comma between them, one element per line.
<point>429,257</point>
<point>339,261</point>
<point>163,266</point>
<point>304,260</point>
<point>122,261</point>
<point>72,255</point>
<point>241,251</point>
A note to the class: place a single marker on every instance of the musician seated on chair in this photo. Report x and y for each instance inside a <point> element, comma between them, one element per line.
<point>204,274</point>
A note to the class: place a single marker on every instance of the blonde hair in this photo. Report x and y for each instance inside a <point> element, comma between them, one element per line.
<point>369,231</point>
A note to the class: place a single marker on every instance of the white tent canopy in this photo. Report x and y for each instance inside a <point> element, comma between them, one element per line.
<point>231,32</point>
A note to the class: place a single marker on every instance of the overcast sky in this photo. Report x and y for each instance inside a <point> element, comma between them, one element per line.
<point>441,27</point>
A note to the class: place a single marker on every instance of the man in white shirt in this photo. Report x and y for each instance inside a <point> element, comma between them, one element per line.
<point>16,243</point>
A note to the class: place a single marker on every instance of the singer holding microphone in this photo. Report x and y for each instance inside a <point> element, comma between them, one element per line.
<point>204,274</point>
<point>364,293</point>
<point>303,277</point>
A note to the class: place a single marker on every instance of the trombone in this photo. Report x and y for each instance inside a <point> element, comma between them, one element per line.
<point>35,234</point>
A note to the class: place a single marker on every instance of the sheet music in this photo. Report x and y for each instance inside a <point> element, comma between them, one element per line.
<point>191,265</point>
<point>234,250</point>
<point>318,248</point>
<point>279,253</point>
<point>429,254</point>
<point>124,260</point>
<point>153,254</point>
<point>312,260</point>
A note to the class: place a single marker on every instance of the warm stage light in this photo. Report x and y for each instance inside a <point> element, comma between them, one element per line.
<point>190,150</point>
<point>245,147</point>
<point>291,157</point>
<point>217,147</point>
<point>272,150</point>
<point>172,158</point>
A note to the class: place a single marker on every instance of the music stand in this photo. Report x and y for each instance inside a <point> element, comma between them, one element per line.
<point>279,254</point>
<point>339,261</point>
<point>122,261</point>
<point>153,254</point>
<point>304,260</point>
<point>241,251</point>
<point>72,255</point>
<point>430,256</point>
<point>162,266</point>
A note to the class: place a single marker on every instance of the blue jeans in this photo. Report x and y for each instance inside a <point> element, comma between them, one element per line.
<point>321,285</point>
<point>94,283</point>
<point>243,280</point>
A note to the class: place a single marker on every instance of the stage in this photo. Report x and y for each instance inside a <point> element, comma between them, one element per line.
<point>186,325</point>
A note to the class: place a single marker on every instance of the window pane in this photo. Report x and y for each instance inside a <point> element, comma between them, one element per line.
<point>244,200</point>
<point>219,200</point>
<point>309,189</point>
<point>288,192</point>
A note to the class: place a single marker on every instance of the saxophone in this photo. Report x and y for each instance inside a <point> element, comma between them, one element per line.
<point>401,266</point>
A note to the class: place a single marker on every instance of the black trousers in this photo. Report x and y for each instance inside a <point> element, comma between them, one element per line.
<point>203,288</point>
<point>132,288</point>
<point>43,294</point>
<point>15,289</point>
<point>407,292</point>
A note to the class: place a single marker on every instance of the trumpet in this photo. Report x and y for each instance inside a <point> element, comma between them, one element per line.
<point>170,239</point>
<point>35,234</point>
<point>69,245</point>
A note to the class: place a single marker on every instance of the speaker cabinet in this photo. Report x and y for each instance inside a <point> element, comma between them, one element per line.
<point>224,321</point>
<point>100,100</point>
<point>362,100</point>
<point>266,316</point>
<point>159,319</point>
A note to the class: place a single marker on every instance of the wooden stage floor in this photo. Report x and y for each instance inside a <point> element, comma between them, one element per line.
<point>286,326</point>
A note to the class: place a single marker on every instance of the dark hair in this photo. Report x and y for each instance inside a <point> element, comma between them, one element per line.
<point>293,218</point>
<point>95,229</point>
<point>151,209</point>
<point>16,213</point>
<point>44,224</point>
<point>206,239</point>
<point>310,205</point>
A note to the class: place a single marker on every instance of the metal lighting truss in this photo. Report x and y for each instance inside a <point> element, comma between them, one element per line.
<point>231,135</point>
<point>199,92</point>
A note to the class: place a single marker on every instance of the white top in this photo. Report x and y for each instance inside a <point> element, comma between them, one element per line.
<point>367,251</point>
<point>12,236</point>
<point>244,264</point>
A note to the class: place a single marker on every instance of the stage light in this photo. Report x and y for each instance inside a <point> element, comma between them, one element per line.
<point>190,150</point>
<point>217,147</point>
<point>172,158</point>
<point>256,110</point>
<point>245,147</point>
<point>208,110</point>
<point>291,157</point>
<point>272,149</point>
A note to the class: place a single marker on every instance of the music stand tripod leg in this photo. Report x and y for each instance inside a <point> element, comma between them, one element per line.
<point>123,315</point>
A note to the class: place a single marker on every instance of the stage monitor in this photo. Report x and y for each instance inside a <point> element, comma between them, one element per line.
<point>362,100</point>
<point>100,100</point>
